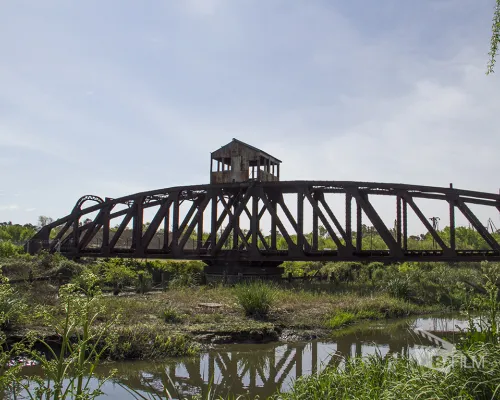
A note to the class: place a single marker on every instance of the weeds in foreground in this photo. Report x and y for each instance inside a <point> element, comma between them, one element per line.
<point>483,329</point>
<point>378,377</point>
<point>69,371</point>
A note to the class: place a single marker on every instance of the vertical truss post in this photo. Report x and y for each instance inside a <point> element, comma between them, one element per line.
<point>273,224</point>
<point>348,226</point>
<point>398,220</point>
<point>105,231</point>
<point>298,362</point>
<point>254,223</point>
<point>199,236</point>
<point>314,358</point>
<point>76,232</point>
<point>175,224</point>
<point>236,224</point>
<point>300,220</point>
<point>166,230</point>
<point>452,225</point>
<point>213,224</point>
<point>137,225</point>
<point>359,227</point>
<point>405,225</point>
<point>315,224</point>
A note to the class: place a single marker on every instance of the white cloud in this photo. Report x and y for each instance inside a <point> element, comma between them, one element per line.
<point>9,207</point>
<point>305,81</point>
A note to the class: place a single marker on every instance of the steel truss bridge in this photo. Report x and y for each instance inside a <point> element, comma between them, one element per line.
<point>178,215</point>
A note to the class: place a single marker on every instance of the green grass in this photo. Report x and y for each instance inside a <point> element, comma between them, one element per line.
<point>345,318</point>
<point>256,298</point>
<point>171,315</point>
<point>376,378</point>
<point>148,341</point>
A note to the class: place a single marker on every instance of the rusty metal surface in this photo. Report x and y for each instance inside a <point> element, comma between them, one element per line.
<point>173,233</point>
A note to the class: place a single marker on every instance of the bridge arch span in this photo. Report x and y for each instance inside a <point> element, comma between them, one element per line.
<point>223,224</point>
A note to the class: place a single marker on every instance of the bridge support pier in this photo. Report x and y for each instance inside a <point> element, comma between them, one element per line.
<point>232,272</point>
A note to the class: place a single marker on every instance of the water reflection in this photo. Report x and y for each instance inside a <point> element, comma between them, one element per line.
<point>256,369</point>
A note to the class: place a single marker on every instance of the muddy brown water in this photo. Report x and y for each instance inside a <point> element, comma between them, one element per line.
<point>263,369</point>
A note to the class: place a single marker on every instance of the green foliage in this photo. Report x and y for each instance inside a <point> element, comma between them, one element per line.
<point>482,309</point>
<point>12,305</point>
<point>125,272</point>
<point>171,315</point>
<point>398,287</point>
<point>184,273</point>
<point>343,318</point>
<point>146,341</point>
<point>256,297</point>
<point>376,377</point>
<point>143,282</point>
<point>495,38</point>
<point>68,372</point>
<point>16,233</point>
<point>340,319</point>
<point>118,273</point>
<point>9,249</point>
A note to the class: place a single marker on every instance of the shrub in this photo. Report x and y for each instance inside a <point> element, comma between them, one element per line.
<point>256,297</point>
<point>9,249</point>
<point>398,287</point>
<point>143,282</point>
<point>116,273</point>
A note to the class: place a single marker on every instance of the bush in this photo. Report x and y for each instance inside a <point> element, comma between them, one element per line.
<point>118,274</point>
<point>256,297</point>
<point>184,273</point>
<point>398,287</point>
<point>9,249</point>
<point>143,282</point>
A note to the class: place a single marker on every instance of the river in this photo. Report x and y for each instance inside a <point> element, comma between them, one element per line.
<point>262,369</point>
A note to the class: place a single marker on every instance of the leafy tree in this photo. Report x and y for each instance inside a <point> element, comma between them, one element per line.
<point>16,233</point>
<point>495,37</point>
<point>43,220</point>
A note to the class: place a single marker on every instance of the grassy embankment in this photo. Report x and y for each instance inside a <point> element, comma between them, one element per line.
<point>175,321</point>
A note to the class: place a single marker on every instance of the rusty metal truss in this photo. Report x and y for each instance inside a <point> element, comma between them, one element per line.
<point>176,230</point>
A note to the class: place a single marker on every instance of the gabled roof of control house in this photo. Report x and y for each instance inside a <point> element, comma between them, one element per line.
<point>214,153</point>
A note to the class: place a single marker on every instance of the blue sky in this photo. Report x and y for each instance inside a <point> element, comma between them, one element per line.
<point>115,97</point>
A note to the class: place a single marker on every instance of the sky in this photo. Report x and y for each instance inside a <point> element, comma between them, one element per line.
<point>116,97</point>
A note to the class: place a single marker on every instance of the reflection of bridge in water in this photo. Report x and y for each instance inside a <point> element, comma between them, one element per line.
<point>263,369</point>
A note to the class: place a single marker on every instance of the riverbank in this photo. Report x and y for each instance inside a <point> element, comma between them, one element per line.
<point>183,321</point>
